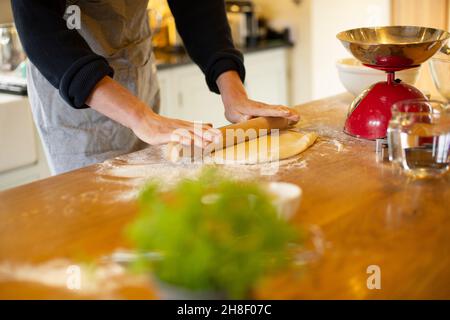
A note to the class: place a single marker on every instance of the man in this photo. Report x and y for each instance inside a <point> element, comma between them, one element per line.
<point>94,91</point>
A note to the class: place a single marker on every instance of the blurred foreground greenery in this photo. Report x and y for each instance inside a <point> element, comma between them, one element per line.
<point>214,234</point>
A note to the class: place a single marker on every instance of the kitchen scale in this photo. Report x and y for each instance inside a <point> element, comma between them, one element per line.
<point>389,49</point>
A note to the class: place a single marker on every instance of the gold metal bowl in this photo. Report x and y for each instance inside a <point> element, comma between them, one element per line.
<point>396,47</point>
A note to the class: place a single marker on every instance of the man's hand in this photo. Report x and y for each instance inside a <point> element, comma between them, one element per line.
<point>239,108</point>
<point>155,129</point>
<point>117,103</point>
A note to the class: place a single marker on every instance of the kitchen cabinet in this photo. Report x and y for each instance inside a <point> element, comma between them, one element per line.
<point>16,133</point>
<point>267,77</point>
<point>22,158</point>
<point>165,84</point>
<point>184,93</point>
<point>185,96</point>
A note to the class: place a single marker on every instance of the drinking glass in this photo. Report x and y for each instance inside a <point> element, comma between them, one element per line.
<point>419,137</point>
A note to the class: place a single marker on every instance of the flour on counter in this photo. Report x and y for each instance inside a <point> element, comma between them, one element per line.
<point>133,171</point>
<point>339,146</point>
<point>102,280</point>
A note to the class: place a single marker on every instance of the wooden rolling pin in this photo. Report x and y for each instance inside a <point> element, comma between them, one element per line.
<point>229,136</point>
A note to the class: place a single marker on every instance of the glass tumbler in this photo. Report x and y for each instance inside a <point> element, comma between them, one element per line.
<point>419,137</point>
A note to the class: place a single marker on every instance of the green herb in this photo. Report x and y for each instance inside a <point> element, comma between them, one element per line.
<point>215,234</point>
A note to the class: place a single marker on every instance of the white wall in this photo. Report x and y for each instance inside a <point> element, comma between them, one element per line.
<point>287,13</point>
<point>330,17</point>
<point>315,24</point>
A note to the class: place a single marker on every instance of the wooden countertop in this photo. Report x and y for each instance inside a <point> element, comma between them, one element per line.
<point>358,212</point>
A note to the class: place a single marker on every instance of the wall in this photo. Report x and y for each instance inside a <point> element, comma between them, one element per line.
<point>329,18</point>
<point>429,13</point>
<point>296,16</point>
<point>315,24</point>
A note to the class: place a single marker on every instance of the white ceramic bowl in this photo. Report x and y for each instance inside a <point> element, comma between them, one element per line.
<point>286,198</point>
<point>356,77</point>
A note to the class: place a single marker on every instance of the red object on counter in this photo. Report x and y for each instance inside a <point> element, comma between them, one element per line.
<point>371,111</point>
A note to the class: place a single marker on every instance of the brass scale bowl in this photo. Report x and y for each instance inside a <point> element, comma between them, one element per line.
<point>393,48</point>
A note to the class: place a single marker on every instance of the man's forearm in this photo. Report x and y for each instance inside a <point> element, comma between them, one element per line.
<point>231,87</point>
<point>117,103</point>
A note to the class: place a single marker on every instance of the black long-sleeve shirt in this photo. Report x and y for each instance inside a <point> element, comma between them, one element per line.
<point>68,63</point>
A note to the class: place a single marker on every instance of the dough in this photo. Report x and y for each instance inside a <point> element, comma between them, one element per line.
<point>266,148</point>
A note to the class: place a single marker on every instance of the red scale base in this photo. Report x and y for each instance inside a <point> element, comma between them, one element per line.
<point>371,111</point>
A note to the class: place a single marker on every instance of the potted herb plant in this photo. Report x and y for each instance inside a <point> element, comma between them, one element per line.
<point>217,237</point>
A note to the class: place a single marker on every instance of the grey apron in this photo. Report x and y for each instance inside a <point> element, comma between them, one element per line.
<point>119,31</point>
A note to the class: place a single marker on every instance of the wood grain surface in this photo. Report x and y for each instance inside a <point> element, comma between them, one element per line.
<point>357,211</point>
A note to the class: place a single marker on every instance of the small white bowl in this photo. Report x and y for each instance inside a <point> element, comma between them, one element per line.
<point>356,77</point>
<point>286,198</point>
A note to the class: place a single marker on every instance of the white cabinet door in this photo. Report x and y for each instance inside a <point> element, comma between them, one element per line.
<point>185,95</point>
<point>22,158</point>
<point>194,100</point>
<point>267,76</point>
<point>17,138</point>
<point>168,92</point>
